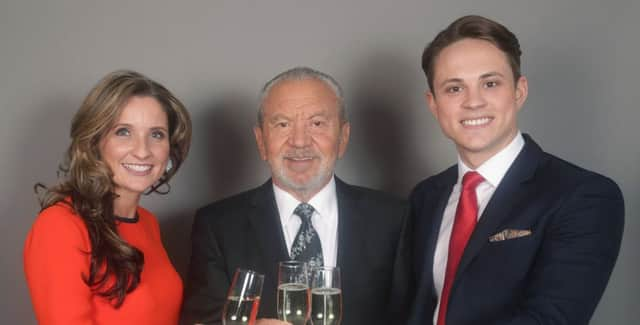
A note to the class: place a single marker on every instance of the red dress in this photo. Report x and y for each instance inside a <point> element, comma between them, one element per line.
<point>55,259</point>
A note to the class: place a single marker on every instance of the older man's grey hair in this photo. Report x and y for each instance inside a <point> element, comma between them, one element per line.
<point>302,73</point>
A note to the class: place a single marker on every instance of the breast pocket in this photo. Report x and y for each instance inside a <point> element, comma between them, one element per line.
<point>513,255</point>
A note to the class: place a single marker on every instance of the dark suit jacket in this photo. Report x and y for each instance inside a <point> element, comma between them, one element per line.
<point>245,231</point>
<point>556,275</point>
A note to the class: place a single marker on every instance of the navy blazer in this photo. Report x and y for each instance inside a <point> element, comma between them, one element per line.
<point>555,275</point>
<point>245,231</point>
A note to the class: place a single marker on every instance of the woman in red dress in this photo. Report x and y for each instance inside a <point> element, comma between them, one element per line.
<point>93,255</point>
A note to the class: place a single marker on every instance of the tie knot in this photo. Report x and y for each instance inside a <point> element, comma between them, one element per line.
<point>470,180</point>
<point>304,211</point>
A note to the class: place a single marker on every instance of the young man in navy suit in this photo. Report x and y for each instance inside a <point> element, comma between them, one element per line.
<point>511,234</point>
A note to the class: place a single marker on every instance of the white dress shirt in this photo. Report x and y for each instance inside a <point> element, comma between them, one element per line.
<point>492,170</point>
<point>324,219</point>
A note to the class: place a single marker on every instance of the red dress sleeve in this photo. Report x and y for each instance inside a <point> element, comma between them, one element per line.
<point>56,256</point>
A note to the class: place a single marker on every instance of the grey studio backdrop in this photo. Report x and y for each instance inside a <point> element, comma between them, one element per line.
<point>581,58</point>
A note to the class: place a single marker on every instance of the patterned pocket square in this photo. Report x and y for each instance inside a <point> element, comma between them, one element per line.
<point>509,234</point>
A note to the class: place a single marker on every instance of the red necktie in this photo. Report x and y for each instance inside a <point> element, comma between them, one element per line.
<point>465,222</point>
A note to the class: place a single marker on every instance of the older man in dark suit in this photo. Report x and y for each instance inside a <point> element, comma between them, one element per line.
<point>302,131</point>
<point>512,234</point>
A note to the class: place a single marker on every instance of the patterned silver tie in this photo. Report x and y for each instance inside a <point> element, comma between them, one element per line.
<point>306,246</point>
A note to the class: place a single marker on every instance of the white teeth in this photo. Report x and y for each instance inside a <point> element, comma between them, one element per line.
<point>476,122</point>
<point>137,168</point>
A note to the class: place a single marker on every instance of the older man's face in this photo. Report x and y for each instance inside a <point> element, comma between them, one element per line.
<point>301,135</point>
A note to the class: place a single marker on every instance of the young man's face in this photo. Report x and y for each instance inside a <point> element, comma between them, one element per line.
<point>475,98</point>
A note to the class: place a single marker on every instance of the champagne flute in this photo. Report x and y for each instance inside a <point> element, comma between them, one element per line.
<point>293,292</point>
<point>243,298</point>
<point>326,296</point>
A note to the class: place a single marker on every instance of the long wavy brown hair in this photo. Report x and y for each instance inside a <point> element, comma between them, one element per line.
<point>87,182</point>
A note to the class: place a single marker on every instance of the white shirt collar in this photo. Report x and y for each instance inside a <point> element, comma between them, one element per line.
<point>494,169</point>
<point>324,202</point>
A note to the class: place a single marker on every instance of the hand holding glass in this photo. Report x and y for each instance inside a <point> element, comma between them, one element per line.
<point>326,296</point>
<point>243,298</point>
<point>293,292</point>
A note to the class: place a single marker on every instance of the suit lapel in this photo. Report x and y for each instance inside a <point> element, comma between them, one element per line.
<point>350,239</point>
<point>430,221</point>
<point>427,212</point>
<point>512,190</point>
<point>267,230</point>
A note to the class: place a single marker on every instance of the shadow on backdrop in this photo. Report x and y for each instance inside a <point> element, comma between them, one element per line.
<point>381,113</point>
<point>223,161</point>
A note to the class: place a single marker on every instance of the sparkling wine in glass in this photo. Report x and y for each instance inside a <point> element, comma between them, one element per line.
<point>293,292</point>
<point>326,296</point>
<point>243,298</point>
